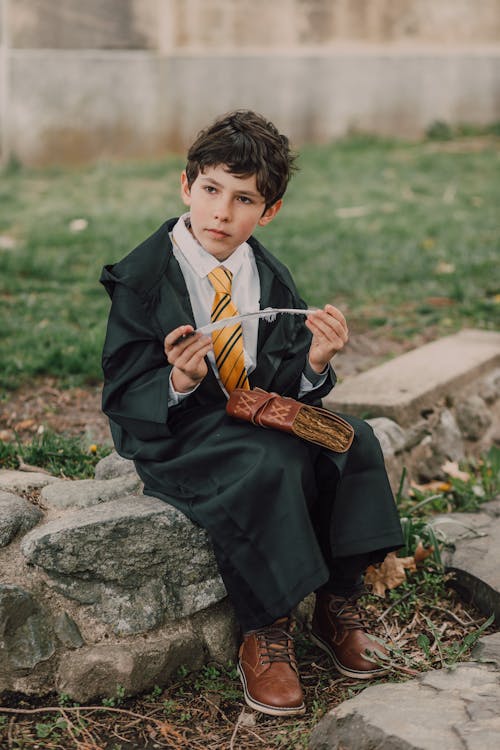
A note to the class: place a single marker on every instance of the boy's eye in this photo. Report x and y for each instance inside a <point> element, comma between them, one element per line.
<point>209,188</point>
<point>244,199</point>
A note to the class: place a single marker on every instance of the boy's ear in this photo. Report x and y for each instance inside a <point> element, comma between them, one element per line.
<point>185,189</point>
<point>270,213</point>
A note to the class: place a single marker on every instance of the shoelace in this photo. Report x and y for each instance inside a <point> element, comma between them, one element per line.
<point>346,610</point>
<point>276,645</point>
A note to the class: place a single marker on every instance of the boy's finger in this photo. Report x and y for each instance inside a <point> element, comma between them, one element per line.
<point>328,326</point>
<point>183,338</point>
<point>334,312</point>
<point>195,350</point>
<point>176,336</point>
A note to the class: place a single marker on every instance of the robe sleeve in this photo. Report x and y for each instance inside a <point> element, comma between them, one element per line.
<point>136,371</point>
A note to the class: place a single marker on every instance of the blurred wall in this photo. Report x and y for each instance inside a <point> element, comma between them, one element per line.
<point>102,78</point>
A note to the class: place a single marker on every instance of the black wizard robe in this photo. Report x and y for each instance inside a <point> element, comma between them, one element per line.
<point>255,491</point>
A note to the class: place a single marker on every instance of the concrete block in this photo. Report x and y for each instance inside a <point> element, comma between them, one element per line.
<point>403,388</point>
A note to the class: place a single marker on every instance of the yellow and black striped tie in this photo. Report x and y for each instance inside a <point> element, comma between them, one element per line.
<point>228,341</point>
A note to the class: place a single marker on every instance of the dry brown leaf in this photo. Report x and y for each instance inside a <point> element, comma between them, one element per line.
<point>452,469</point>
<point>168,731</point>
<point>422,553</point>
<point>389,574</point>
<point>25,424</point>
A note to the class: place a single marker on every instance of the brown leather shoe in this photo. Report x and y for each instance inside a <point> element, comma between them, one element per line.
<point>338,628</point>
<point>268,671</point>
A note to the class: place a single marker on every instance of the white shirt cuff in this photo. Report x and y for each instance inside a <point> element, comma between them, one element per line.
<point>174,397</point>
<point>310,379</point>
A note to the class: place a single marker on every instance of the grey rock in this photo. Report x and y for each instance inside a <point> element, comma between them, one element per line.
<point>196,596</point>
<point>96,671</point>
<point>22,481</point>
<point>82,591</point>
<point>474,561</point>
<point>68,631</point>
<point>447,438</point>
<point>473,417</point>
<point>390,435</point>
<point>443,444</point>
<point>131,611</point>
<point>455,527</point>
<point>447,709</point>
<point>113,465</point>
<point>489,387</point>
<point>487,650</point>
<point>219,630</point>
<point>84,493</point>
<point>492,507</point>
<point>137,560</point>
<point>415,433</point>
<point>124,541</point>
<point>26,637</point>
<point>17,516</point>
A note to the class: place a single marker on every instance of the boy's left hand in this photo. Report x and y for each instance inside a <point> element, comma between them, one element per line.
<point>330,335</point>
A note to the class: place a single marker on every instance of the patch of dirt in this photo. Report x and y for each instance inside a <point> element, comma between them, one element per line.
<point>77,412</point>
<point>43,405</point>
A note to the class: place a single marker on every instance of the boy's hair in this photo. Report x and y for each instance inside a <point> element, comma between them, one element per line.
<point>246,143</point>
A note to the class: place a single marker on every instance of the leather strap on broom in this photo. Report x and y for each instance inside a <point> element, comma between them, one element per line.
<point>310,423</point>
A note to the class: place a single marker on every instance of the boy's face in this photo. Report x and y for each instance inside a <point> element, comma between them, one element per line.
<point>225,209</point>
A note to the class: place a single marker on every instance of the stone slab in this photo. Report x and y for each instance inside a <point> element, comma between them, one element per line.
<point>83,493</point>
<point>17,516</point>
<point>447,709</point>
<point>22,481</point>
<point>413,382</point>
<point>475,559</point>
<point>137,665</point>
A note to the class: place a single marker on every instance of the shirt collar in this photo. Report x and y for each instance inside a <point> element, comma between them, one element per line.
<point>200,261</point>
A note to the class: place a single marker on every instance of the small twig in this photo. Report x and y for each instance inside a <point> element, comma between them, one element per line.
<point>470,624</point>
<point>217,708</point>
<point>28,467</point>
<point>394,604</point>
<point>59,709</point>
<point>9,732</point>
<point>235,730</point>
<point>88,744</point>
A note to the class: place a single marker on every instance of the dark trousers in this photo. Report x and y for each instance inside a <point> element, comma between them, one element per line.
<point>354,504</point>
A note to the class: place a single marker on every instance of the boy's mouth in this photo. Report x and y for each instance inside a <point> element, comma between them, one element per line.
<point>217,233</point>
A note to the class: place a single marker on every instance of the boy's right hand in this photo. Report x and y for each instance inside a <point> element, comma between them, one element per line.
<point>186,351</point>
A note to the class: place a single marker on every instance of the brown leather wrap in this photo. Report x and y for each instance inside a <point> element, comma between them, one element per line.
<point>311,423</point>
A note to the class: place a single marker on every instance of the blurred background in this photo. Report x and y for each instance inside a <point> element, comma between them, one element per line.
<point>103,78</point>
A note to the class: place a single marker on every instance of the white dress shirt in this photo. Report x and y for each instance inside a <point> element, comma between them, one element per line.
<point>196,264</point>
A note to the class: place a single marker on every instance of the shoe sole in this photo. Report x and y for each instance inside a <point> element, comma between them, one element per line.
<point>358,674</point>
<point>263,707</point>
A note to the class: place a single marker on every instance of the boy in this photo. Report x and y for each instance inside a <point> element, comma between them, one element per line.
<point>285,517</point>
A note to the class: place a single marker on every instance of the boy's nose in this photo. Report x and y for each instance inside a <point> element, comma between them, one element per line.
<point>222,210</point>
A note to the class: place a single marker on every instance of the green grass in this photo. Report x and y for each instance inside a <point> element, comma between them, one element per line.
<point>419,209</point>
<point>60,455</point>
